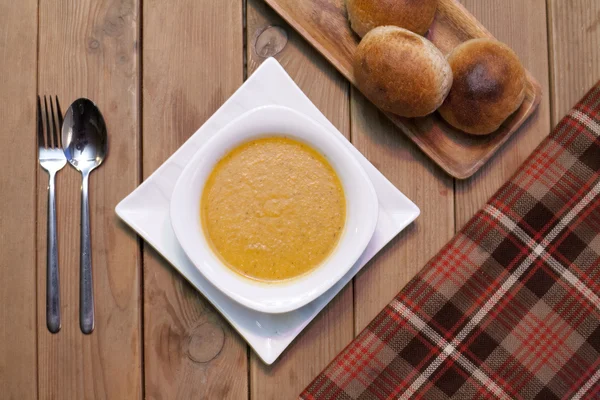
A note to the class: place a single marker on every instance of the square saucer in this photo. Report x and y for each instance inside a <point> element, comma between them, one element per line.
<point>146,210</point>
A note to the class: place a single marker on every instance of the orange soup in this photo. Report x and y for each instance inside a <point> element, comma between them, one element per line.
<point>273,209</point>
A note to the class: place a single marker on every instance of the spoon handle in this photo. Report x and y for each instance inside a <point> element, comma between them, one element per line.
<point>52,281</point>
<point>86,288</point>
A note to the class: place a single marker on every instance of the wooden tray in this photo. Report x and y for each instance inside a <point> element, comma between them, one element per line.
<point>324,24</point>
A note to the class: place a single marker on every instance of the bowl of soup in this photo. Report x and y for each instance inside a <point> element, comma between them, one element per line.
<point>274,209</point>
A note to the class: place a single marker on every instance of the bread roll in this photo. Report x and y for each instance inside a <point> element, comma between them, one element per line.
<point>401,72</point>
<point>414,15</point>
<point>489,85</point>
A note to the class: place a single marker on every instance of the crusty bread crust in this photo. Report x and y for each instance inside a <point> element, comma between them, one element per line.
<point>489,85</point>
<point>414,15</point>
<point>401,72</point>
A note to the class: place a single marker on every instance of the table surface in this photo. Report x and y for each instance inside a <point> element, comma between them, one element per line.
<point>158,70</point>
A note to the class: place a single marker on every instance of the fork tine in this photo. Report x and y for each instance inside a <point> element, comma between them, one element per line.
<point>60,121</point>
<point>40,125</point>
<point>54,136</point>
<point>48,132</point>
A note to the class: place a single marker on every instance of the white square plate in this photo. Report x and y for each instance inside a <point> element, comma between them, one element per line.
<point>146,210</point>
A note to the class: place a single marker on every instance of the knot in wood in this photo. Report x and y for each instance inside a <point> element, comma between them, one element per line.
<point>271,41</point>
<point>205,342</point>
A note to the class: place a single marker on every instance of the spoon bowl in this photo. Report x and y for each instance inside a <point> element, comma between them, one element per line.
<point>85,143</point>
<point>84,136</point>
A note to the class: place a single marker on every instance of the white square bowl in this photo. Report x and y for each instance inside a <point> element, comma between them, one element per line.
<point>362,208</point>
<point>147,211</point>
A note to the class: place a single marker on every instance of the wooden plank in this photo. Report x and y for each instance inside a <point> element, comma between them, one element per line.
<point>424,183</point>
<point>399,159</point>
<point>327,335</point>
<point>574,50</point>
<point>18,43</point>
<point>90,49</point>
<point>193,61</point>
<point>521,25</point>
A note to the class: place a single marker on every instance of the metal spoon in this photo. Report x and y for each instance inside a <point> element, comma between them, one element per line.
<point>84,141</point>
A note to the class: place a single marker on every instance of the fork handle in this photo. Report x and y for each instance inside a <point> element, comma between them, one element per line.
<point>86,287</point>
<point>52,281</point>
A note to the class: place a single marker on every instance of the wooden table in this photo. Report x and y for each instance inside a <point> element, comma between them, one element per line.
<point>158,70</point>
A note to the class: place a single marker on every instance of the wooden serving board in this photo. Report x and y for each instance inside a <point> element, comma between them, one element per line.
<point>324,24</point>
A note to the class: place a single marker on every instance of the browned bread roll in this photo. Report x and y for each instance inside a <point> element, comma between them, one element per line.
<point>401,72</point>
<point>489,85</point>
<point>414,15</point>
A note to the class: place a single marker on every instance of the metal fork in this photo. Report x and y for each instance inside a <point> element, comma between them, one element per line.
<point>52,159</point>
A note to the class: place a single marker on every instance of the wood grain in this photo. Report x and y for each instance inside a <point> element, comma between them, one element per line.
<point>193,61</point>
<point>90,49</point>
<point>424,183</point>
<point>327,335</point>
<point>18,166</point>
<point>324,24</point>
<point>521,25</point>
<point>575,52</point>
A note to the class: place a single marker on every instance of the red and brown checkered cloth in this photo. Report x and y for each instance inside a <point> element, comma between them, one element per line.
<point>510,308</point>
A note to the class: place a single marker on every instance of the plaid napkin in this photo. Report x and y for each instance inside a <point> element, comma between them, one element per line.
<point>510,308</point>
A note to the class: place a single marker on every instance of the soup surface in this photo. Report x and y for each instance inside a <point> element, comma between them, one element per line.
<point>273,209</point>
